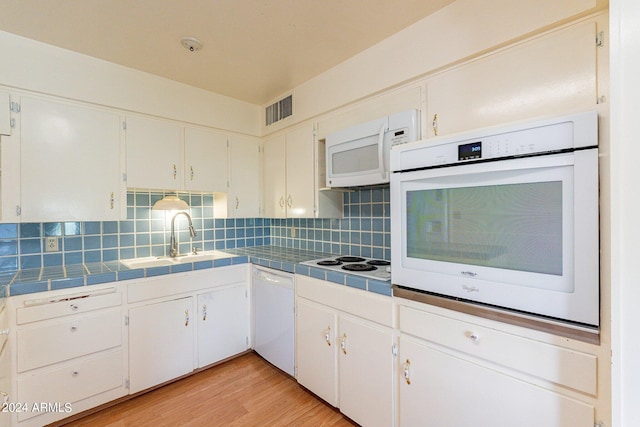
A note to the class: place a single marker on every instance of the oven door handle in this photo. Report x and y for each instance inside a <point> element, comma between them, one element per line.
<point>381,133</point>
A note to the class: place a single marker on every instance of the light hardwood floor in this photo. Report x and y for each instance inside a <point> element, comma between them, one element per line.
<point>245,391</point>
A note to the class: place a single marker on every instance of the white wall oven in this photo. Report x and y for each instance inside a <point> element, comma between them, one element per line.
<point>506,217</point>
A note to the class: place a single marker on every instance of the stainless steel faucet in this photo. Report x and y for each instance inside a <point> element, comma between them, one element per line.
<point>192,232</point>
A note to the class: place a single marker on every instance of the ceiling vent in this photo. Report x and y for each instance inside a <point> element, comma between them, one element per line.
<point>279,110</point>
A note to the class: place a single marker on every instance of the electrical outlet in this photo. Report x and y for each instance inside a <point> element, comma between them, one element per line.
<point>51,244</point>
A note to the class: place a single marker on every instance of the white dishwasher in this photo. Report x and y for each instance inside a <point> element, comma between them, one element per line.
<point>273,317</point>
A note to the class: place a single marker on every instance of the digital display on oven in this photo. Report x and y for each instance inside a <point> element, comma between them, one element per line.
<point>469,151</point>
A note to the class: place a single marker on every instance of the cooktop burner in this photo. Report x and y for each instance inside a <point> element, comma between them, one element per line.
<point>350,259</point>
<point>359,267</point>
<point>329,262</point>
<point>378,262</point>
<point>371,268</point>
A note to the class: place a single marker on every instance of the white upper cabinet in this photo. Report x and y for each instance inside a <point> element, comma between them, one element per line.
<point>154,154</point>
<point>70,168</point>
<point>275,175</point>
<point>550,75</point>
<point>205,160</point>
<point>243,197</point>
<point>289,178</point>
<point>5,116</point>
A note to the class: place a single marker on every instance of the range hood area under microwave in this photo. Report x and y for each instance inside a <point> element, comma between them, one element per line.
<point>359,155</point>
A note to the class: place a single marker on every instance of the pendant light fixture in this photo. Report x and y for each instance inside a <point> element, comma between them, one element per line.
<point>170,202</point>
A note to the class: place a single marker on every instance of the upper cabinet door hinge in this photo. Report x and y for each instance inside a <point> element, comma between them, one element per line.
<point>600,39</point>
<point>126,320</point>
<point>14,107</point>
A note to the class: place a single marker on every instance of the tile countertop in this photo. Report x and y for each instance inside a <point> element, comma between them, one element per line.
<point>76,275</point>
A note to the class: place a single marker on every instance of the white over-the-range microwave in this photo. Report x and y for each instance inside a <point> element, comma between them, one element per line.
<point>506,217</point>
<point>359,155</point>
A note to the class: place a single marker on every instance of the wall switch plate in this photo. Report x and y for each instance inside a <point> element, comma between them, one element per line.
<point>51,244</point>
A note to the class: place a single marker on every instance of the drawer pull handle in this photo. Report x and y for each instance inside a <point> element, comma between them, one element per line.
<point>74,307</point>
<point>473,336</point>
<point>327,336</point>
<point>281,203</point>
<point>434,125</point>
<point>343,343</point>
<point>186,317</point>
<point>204,312</point>
<point>175,171</point>
<point>192,173</point>
<point>75,373</point>
<point>407,372</point>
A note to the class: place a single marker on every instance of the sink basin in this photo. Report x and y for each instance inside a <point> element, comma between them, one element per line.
<point>146,262</point>
<point>165,260</point>
<point>203,256</point>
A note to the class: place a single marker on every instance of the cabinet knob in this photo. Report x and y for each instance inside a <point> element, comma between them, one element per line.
<point>474,336</point>
<point>74,328</point>
<point>289,201</point>
<point>75,373</point>
<point>186,317</point>
<point>281,202</point>
<point>343,343</point>
<point>237,202</point>
<point>407,371</point>
<point>327,336</point>
<point>175,172</point>
<point>112,201</point>
<point>74,307</point>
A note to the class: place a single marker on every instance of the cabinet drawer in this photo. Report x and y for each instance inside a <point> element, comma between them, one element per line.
<point>72,382</point>
<point>82,335</point>
<point>65,305</point>
<point>563,366</point>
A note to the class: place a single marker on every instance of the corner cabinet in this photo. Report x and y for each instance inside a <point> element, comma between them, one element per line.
<point>70,162</point>
<point>345,348</point>
<point>290,183</point>
<point>243,196</point>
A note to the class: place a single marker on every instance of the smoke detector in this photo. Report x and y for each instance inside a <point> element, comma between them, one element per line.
<point>191,44</point>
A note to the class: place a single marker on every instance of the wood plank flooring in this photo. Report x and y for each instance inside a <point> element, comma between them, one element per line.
<point>245,391</point>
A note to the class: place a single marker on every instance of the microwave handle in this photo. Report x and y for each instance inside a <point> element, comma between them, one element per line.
<point>383,129</point>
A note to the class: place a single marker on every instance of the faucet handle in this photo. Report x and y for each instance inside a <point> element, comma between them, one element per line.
<point>194,250</point>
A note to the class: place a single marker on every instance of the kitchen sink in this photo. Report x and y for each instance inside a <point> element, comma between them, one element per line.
<point>148,262</point>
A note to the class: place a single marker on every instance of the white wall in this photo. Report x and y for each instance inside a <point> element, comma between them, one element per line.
<point>31,65</point>
<point>625,232</point>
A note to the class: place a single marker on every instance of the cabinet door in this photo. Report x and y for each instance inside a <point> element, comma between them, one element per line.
<point>274,178</point>
<point>70,168</point>
<point>316,356</point>
<point>300,173</point>
<point>161,341</point>
<point>223,324</point>
<point>205,160</point>
<point>244,191</point>
<point>365,377</point>
<point>437,388</point>
<point>153,154</point>
<point>5,115</point>
<point>548,75</point>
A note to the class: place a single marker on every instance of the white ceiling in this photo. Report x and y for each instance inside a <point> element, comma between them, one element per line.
<point>254,50</point>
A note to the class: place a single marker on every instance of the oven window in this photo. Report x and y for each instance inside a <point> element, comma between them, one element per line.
<point>508,226</point>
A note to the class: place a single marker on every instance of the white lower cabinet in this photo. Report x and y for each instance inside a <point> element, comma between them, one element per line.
<point>160,342</point>
<point>456,370</point>
<point>223,323</point>
<point>346,358</point>
<point>69,352</point>
<point>440,389</point>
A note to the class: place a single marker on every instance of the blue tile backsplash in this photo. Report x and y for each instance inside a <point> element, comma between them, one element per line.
<point>363,231</point>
